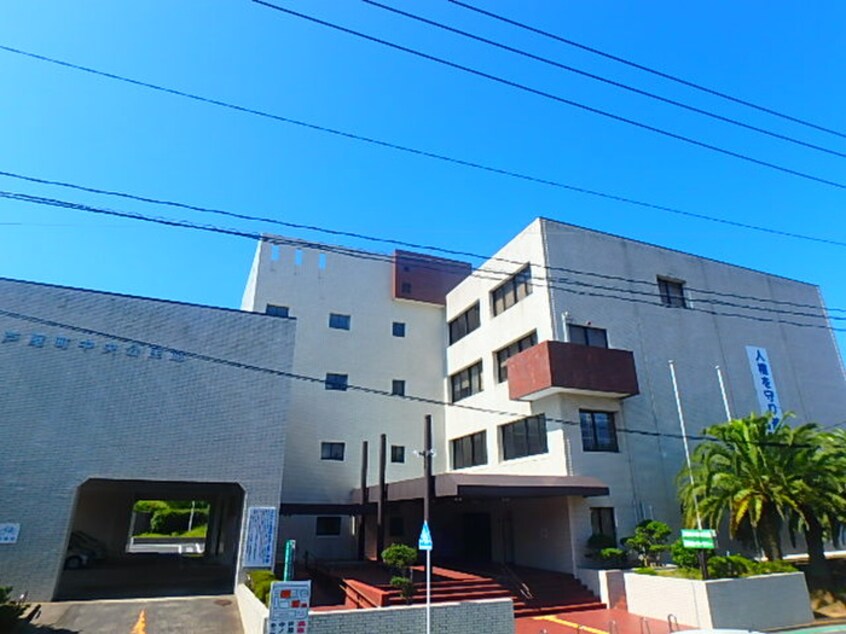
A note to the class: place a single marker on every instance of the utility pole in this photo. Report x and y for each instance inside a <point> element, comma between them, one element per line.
<point>428,493</point>
<point>365,499</point>
<point>383,496</point>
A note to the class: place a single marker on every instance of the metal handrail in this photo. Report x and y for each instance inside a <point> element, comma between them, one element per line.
<point>522,588</point>
<point>645,628</point>
<point>673,622</point>
<point>612,627</point>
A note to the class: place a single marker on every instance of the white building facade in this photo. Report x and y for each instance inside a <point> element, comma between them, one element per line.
<point>547,373</point>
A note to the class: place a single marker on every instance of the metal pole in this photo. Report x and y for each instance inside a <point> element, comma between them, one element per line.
<point>686,446</point>
<point>365,498</point>
<point>428,491</point>
<point>380,509</point>
<point>723,392</point>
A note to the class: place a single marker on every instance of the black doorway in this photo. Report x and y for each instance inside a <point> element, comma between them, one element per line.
<point>476,534</point>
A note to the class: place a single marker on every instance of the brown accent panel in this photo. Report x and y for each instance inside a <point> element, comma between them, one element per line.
<point>556,364</point>
<point>424,278</point>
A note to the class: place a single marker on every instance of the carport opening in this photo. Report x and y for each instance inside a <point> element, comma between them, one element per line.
<point>118,547</point>
<point>169,526</point>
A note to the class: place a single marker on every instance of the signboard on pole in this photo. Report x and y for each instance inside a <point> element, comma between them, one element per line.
<point>765,388</point>
<point>288,570</point>
<point>260,537</point>
<point>703,538</point>
<point>425,541</point>
<point>289,603</point>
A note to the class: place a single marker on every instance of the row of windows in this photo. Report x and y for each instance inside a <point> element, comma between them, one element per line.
<point>340,382</point>
<point>337,321</point>
<point>527,437</point>
<point>466,382</point>
<point>336,451</point>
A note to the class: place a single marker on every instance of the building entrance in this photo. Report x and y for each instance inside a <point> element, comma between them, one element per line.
<point>476,537</point>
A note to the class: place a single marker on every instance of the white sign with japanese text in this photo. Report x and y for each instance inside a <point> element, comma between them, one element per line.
<point>9,533</point>
<point>260,537</point>
<point>289,603</point>
<point>762,375</point>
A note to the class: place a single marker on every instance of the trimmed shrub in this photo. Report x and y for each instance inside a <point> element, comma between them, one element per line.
<point>259,582</point>
<point>646,571</point>
<point>686,557</point>
<point>771,567</point>
<point>405,586</point>
<point>149,506</point>
<point>599,542</point>
<point>612,556</point>
<point>399,556</point>
<point>168,521</point>
<point>10,610</point>
<point>729,567</point>
<point>649,542</point>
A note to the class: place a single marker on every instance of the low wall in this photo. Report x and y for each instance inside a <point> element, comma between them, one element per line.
<point>253,612</point>
<point>608,585</point>
<point>494,616</point>
<point>769,601</point>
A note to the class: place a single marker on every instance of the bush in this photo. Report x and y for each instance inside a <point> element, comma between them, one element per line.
<point>648,542</point>
<point>598,542</point>
<point>259,582</point>
<point>646,571</point>
<point>686,557</point>
<point>771,567</point>
<point>10,609</point>
<point>169,521</point>
<point>729,567</point>
<point>399,556</point>
<point>405,586</point>
<point>149,506</point>
<point>612,556</point>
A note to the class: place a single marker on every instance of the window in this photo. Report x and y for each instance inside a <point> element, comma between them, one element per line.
<point>464,324</point>
<point>327,526</point>
<point>602,522</point>
<point>398,329</point>
<point>672,293</point>
<point>396,526</point>
<point>515,288</point>
<point>587,336</point>
<point>398,387</point>
<point>397,453</point>
<point>598,431</point>
<point>336,381</point>
<point>509,351</point>
<point>525,437</point>
<point>470,451</point>
<point>339,322</point>
<point>276,311</point>
<point>466,383</point>
<point>332,451</point>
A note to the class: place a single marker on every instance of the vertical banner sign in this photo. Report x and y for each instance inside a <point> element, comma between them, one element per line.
<point>260,537</point>
<point>289,601</point>
<point>762,375</point>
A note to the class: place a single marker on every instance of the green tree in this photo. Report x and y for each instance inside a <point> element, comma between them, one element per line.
<point>763,480</point>
<point>649,541</point>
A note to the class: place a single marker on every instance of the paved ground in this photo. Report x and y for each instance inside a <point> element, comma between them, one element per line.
<point>592,622</point>
<point>189,615</point>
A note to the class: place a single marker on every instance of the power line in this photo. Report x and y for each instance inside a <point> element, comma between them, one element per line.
<point>607,80</point>
<point>354,253</point>
<point>425,247</point>
<point>557,98</point>
<point>417,152</point>
<point>647,69</point>
<point>239,365</point>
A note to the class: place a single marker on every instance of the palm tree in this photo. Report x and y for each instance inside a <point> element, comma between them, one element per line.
<point>763,480</point>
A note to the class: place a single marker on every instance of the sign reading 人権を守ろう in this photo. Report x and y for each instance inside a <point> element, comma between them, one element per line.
<point>765,387</point>
<point>260,537</point>
<point>289,603</point>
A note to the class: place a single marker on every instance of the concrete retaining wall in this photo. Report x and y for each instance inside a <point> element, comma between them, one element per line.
<point>764,602</point>
<point>253,612</point>
<point>608,585</point>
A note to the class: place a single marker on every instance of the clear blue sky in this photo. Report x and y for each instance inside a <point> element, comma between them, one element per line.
<point>61,124</point>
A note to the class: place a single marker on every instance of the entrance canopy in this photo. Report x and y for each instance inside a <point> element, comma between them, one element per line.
<point>484,485</point>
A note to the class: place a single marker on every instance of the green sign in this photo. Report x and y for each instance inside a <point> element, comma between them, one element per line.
<point>290,549</point>
<point>699,538</point>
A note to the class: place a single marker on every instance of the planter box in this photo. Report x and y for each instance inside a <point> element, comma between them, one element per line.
<point>764,602</point>
<point>253,612</point>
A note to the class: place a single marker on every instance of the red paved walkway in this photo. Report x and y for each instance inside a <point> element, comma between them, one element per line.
<point>592,622</point>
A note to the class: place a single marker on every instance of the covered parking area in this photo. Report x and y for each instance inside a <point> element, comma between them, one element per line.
<point>100,534</point>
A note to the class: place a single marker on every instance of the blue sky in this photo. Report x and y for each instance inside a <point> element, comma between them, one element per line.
<point>58,123</point>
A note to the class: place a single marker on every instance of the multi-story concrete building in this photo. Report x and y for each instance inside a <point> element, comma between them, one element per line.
<point>547,373</point>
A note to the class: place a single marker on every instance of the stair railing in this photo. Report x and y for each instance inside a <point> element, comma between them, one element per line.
<point>612,627</point>
<point>521,586</point>
<point>673,622</point>
<point>645,628</point>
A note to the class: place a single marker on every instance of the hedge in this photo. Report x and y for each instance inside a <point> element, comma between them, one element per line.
<point>169,521</point>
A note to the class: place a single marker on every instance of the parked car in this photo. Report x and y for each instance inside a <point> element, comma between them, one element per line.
<point>91,546</point>
<point>76,559</point>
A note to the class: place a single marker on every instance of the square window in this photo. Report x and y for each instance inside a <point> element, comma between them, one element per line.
<point>672,293</point>
<point>336,381</point>
<point>327,526</point>
<point>469,451</point>
<point>397,453</point>
<point>339,322</point>
<point>398,329</point>
<point>598,431</point>
<point>587,336</point>
<point>276,311</point>
<point>398,387</point>
<point>525,437</point>
<point>602,522</point>
<point>332,451</point>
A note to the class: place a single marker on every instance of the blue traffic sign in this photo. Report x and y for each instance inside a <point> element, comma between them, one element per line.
<point>425,541</point>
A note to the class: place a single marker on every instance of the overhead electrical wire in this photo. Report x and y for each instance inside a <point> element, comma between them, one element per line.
<point>239,365</point>
<point>606,80</point>
<point>557,98</point>
<point>648,69</point>
<point>499,275</point>
<point>425,247</point>
<point>432,155</point>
